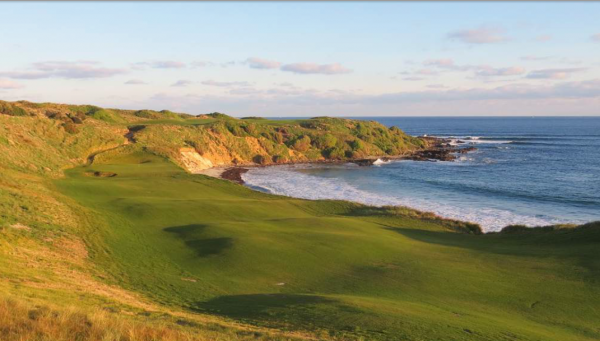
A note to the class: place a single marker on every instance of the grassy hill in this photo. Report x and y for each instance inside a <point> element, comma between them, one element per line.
<point>164,254</point>
<point>197,142</point>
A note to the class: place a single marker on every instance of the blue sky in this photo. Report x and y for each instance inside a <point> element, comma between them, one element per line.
<point>306,59</point>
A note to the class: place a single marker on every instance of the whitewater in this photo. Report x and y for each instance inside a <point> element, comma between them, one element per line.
<point>526,171</point>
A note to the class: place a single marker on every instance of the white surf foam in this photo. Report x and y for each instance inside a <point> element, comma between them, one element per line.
<point>380,162</point>
<point>458,140</point>
<point>289,181</point>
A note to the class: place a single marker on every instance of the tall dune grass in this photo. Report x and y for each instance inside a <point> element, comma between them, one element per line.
<point>22,321</point>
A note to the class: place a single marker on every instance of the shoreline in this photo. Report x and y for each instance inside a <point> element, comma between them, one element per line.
<point>440,149</point>
<point>234,174</point>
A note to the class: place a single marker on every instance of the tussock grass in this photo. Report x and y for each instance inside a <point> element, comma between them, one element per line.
<point>23,321</point>
<point>20,321</point>
<point>595,225</point>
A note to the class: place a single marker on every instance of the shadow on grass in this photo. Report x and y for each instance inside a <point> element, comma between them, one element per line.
<point>204,247</point>
<point>579,245</point>
<point>260,305</point>
<point>526,242</point>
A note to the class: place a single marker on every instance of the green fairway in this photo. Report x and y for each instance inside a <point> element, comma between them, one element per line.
<point>212,246</point>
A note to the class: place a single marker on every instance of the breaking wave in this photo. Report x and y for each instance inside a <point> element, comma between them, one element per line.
<point>291,181</point>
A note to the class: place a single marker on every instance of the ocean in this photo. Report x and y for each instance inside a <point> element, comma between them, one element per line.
<point>527,170</point>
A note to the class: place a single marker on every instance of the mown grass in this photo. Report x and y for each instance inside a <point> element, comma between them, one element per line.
<point>331,268</point>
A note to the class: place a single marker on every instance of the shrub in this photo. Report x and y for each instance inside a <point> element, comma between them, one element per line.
<point>170,114</point>
<point>11,109</point>
<point>302,144</point>
<point>220,116</point>
<point>253,118</point>
<point>334,153</point>
<point>145,114</point>
<point>235,129</point>
<point>280,159</point>
<point>261,160</point>
<point>250,129</point>
<point>70,128</point>
<point>104,115</point>
<point>325,141</point>
<point>77,118</point>
<point>356,145</point>
<point>278,138</point>
<point>514,229</point>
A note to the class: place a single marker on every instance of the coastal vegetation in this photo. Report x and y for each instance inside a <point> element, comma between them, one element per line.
<point>100,208</point>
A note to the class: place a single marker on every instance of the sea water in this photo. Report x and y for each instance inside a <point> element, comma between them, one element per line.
<point>529,171</point>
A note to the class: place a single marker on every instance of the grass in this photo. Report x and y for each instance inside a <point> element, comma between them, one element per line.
<point>31,322</point>
<point>188,122</point>
<point>160,253</point>
<point>331,268</point>
<point>216,137</point>
<point>20,321</point>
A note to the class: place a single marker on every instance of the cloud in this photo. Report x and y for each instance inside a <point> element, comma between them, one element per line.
<point>228,64</point>
<point>161,64</point>
<point>481,35</point>
<point>413,79</point>
<point>199,64</point>
<point>563,60</point>
<point>8,84</point>
<point>534,58</point>
<point>287,85</point>
<point>518,99</point>
<point>569,90</point>
<point>569,61</point>
<point>312,68</point>
<point>488,71</point>
<point>560,98</point>
<point>225,84</point>
<point>264,64</point>
<point>447,64</point>
<point>135,82</point>
<point>441,63</point>
<point>439,93</point>
<point>480,70</point>
<point>553,73</point>
<point>182,83</point>
<point>244,91</point>
<point>25,75</point>
<point>544,37</point>
<point>436,86</point>
<point>595,37</point>
<point>64,69</point>
<point>426,72</point>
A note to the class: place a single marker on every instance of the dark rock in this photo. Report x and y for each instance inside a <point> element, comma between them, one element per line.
<point>466,150</point>
<point>439,150</point>
<point>364,162</point>
<point>234,174</point>
<point>441,154</point>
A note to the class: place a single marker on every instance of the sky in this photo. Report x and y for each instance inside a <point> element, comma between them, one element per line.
<point>306,58</point>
